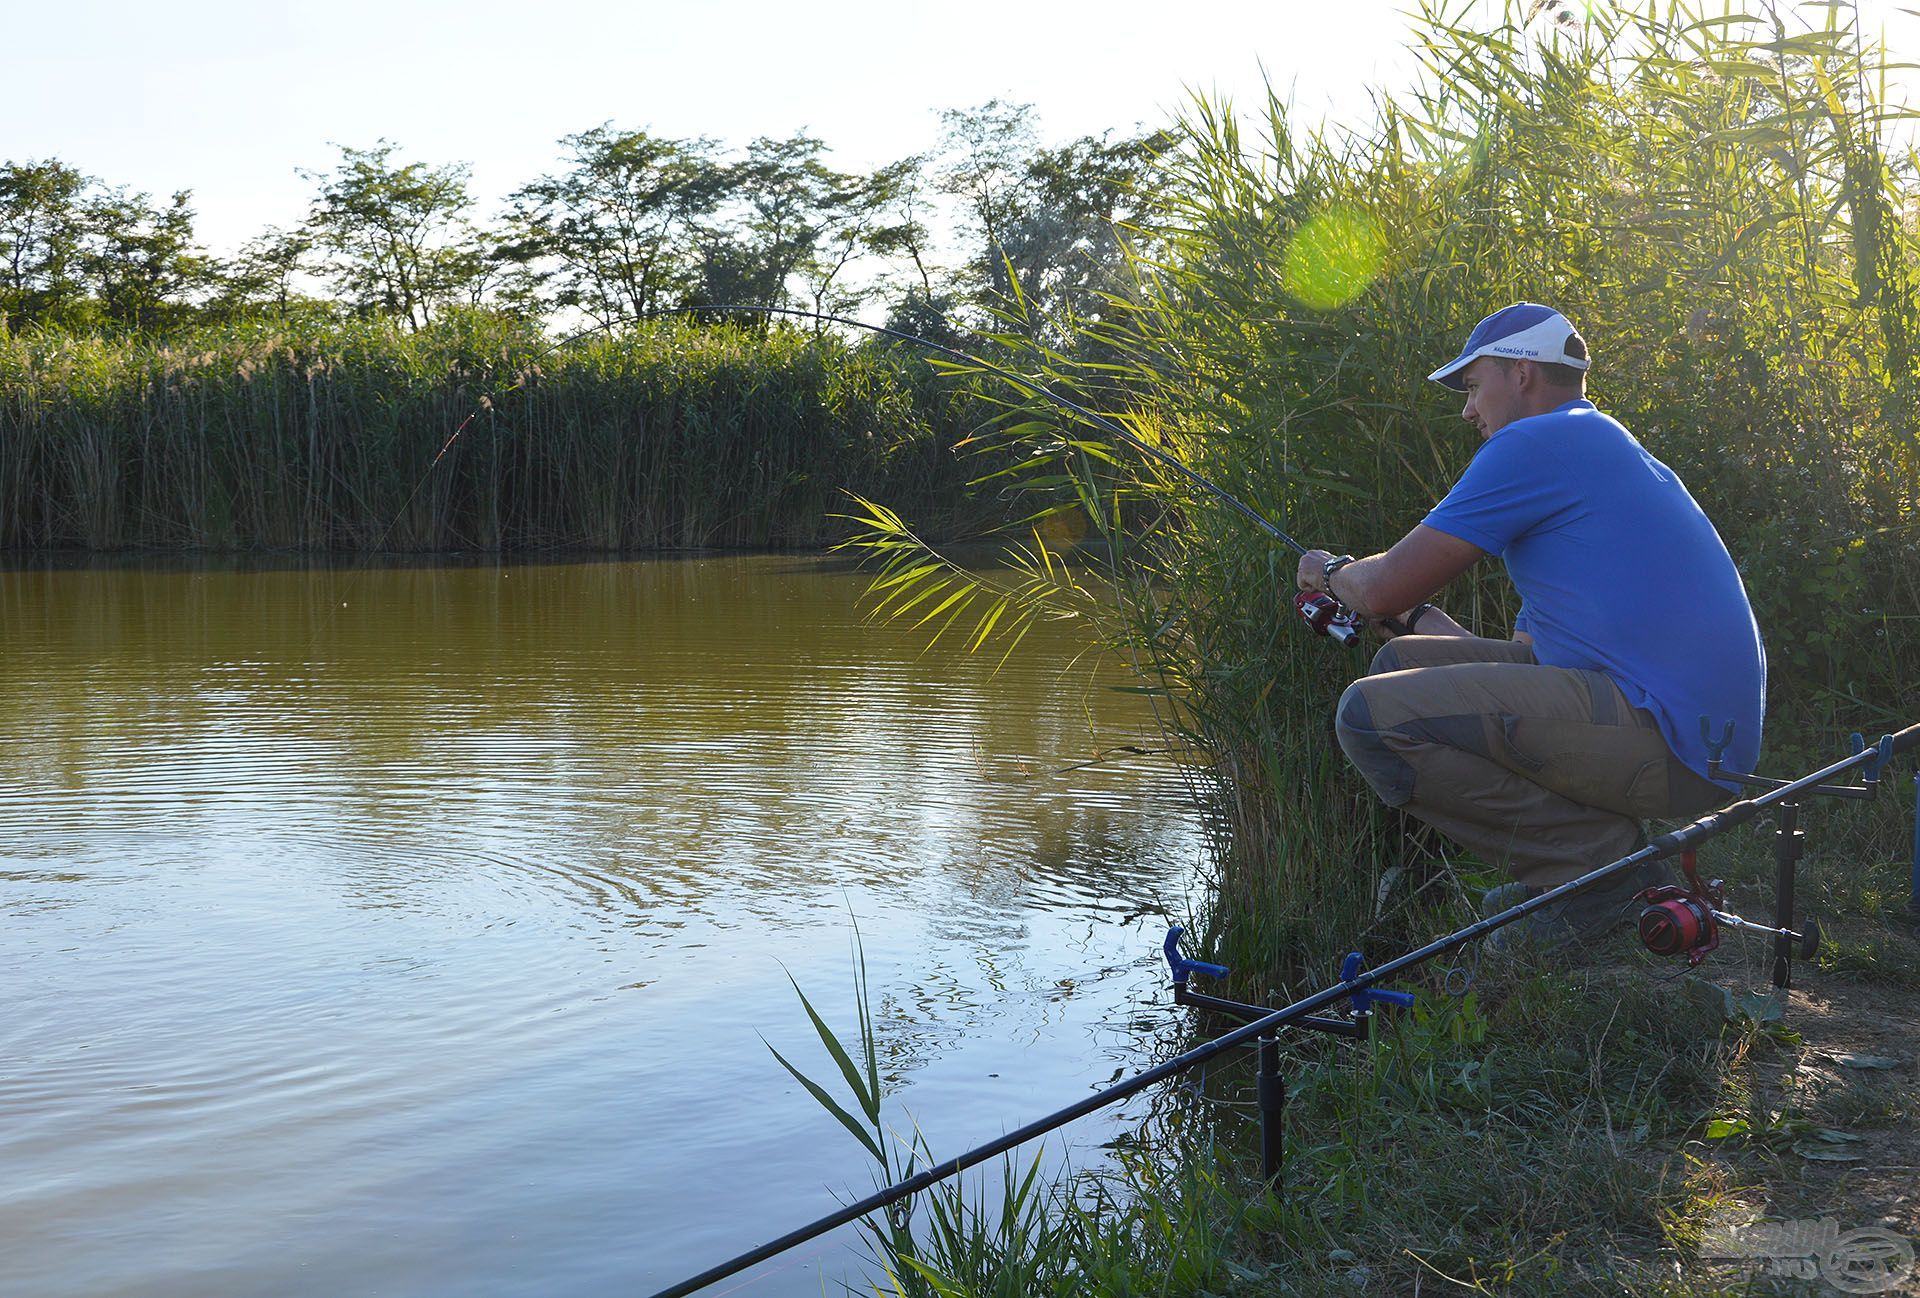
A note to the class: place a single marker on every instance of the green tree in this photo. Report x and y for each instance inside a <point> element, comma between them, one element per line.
<point>795,225</point>
<point>878,218</point>
<point>140,262</point>
<point>395,236</point>
<point>985,153</point>
<point>42,227</point>
<point>616,235</point>
<point>263,277</point>
<point>902,239</point>
<point>1065,245</point>
<point>1043,225</point>
<point>900,233</point>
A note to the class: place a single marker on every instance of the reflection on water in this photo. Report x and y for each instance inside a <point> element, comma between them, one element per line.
<point>420,930</point>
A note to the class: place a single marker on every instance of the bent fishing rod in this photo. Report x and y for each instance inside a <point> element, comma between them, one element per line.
<point>1324,614</point>
<point>1357,986</point>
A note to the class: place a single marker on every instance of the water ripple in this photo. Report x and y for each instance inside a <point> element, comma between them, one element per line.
<point>437,915</point>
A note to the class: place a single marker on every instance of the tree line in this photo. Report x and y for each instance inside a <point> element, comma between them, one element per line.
<point>628,223</point>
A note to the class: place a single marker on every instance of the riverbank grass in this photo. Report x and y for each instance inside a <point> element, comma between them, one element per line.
<point>1608,1124</point>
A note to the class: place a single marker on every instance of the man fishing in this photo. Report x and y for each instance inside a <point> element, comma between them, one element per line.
<point>1544,753</point>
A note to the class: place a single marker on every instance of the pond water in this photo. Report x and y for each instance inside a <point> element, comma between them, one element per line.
<point>423,929</point>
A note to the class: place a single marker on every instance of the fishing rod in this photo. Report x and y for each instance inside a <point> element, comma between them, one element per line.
<point>1358,987</point>
<point>1323,613</point>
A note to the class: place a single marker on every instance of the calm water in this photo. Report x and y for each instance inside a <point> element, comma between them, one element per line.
<point>422,930</point>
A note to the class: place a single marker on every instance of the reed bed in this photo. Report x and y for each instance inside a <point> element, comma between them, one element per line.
<point>336,438</point>
<point>1716,201</point>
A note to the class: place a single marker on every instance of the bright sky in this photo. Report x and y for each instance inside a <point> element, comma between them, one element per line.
<point>228,98</point>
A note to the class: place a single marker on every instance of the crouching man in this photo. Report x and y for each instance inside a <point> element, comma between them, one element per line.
<point>1545,753</point>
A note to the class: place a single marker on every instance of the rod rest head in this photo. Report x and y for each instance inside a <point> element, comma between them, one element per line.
<point>1364,997</point>
<point>1182,966</point>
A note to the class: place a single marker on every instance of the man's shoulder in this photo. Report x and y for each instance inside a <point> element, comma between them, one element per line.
<point>1563,431</point>
<point>1573,415</point>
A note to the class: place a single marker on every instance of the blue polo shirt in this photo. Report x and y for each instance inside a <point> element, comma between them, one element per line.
<point>1618,571</point>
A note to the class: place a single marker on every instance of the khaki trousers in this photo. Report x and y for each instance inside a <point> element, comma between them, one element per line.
<point>1545,770</point>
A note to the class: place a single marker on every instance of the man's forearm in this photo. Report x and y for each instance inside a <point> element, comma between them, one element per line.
<point>1387,584</point>
<point>1353,585</point>
<point>1435,621</point>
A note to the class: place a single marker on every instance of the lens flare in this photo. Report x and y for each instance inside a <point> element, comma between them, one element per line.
<point>1333,257</point>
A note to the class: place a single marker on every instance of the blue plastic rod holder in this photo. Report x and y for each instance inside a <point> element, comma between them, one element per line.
<point>1182,966</point>
<point>1716,748</point>
<point>1364,998</point>
<point>1882,755</point>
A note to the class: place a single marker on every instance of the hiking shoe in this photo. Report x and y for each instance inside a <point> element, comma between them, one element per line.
<point>1505,897</point>
<point>1578,917</point>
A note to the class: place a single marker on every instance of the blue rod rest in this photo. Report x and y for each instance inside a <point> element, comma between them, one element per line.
<point>1882,754</point>
<point>1716,748</point>
<point>1364,998</point>
<point>1182,966</point>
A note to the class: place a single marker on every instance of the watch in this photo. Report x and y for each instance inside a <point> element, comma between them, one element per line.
<point>1333,565</point>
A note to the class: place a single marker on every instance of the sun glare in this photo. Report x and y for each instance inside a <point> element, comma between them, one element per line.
<point>1333,257</point>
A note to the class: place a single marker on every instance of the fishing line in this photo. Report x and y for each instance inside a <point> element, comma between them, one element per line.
<point>1106,755</point>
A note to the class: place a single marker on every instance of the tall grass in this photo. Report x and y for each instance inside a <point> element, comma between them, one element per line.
<point>326,437</point>
<point>1712,200</point>
<point>1709,197</point>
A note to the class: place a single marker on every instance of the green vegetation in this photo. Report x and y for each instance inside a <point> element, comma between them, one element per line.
<point>1591,1129</point>
<point>1709,199</point>
<point>336,437</point>
<point>629,225</point>
<point>1712,198</point>
<point>1715,199</point>
<point>295,395</point>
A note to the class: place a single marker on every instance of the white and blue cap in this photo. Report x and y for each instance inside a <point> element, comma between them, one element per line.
<point>1525,331</point>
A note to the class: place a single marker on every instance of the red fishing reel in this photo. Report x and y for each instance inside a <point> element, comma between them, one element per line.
<point>1687,921</point>
<point>1681,922</point>
<point>1327,616</point>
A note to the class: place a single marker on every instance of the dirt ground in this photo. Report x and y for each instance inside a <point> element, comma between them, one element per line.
<point>1836,1125</point>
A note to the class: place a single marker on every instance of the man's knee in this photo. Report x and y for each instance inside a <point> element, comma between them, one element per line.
<point>1366,747</point>
<point>1387,659</point>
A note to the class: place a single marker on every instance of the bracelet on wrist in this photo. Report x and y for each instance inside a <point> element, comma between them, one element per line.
<point>1413,618</point>
<point>1333,565</point>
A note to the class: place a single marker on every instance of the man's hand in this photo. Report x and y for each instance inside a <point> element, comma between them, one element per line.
<point>1419,564</point>
<point>1313,568</point>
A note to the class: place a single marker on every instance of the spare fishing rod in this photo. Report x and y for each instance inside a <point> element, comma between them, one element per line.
<point>1322,613</point>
